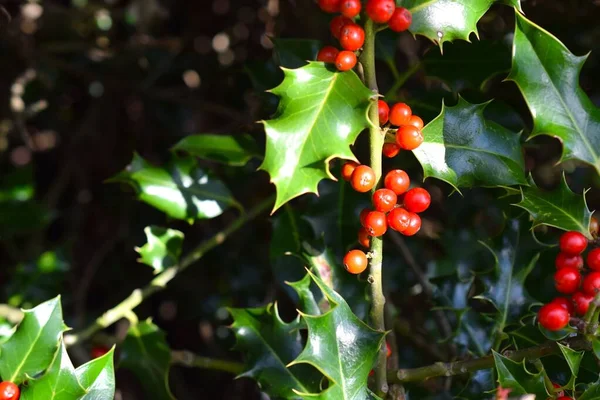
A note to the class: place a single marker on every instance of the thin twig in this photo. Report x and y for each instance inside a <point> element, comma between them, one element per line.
<point>188,359</point>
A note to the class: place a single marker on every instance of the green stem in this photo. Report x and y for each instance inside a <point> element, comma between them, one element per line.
<point>189,359</point>
<point>160,281</point>
<point>376,137</point>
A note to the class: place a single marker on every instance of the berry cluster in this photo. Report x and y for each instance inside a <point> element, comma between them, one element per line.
<point>9,391</point>
<point>351,35</point>
<point>573,279</point>
<point>394,205</point>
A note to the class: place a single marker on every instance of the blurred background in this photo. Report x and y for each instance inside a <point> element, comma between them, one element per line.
<point>85,83</point>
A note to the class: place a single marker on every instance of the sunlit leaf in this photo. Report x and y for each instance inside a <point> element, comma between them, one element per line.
<point>98,377</point>
<point>228,149</point>
<point>162,248</point>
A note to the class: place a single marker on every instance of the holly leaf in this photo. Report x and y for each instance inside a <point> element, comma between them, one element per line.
<point>515,376</point>
<point>547,74</point>
<point>180,188</point>
<point>147,354</point>
<point>162,248</point>
<point>98,377</point>
<point>31,349</point>
<point>573,359</point>
<point>320,115</point>
<point>59,382</point>
<point>560,208</point>
<point>592,392</point>
<point>341,346</point>
<point>234,150</point>
<point>269,345</point>
<point>306,298</point>
<point>464,149</point>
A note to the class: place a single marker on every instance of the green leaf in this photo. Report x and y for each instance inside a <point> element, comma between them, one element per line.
<point>269,345</point>
<point>560,208</point>
<point>515,376</point>
<point>58,383</point>
<point>341,346</point>
<point>320,114</point>
<point>592,392</point>
<point>180,188</point>
<point>234,150</point>
<point>162,248</point>
<point>547,74</point>
<point>464,149</point>
<point>307,302</point>
<point>98,377</point>
<point>573,359</point>
<point>596,347</point>
<point>31,349</point>
<point>295,53</point>
<point>147,354</point>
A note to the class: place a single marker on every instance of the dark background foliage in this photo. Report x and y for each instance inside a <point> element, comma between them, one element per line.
<point>89,82</point>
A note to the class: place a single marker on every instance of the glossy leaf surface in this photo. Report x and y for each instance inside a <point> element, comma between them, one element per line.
<point>592,392</point>
<point>547,74</point>
<point>234,150</point>
<point>162,248</point>
<point>320,114</point>
<point>515,376</point>
<point>573,359</point>
<point>98,377</point>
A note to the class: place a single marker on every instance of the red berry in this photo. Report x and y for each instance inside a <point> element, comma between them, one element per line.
<point>408,137</point>
<point>566,303</point>
<point>380,11</point>
<point>591,283</point>
<point>352,37</point>
<point>594,226</point>
<point>400,20</point>
<point>399,219</point>
<point>375,223</point>
<point>347,170</point>
<point>327,54</point>
<point>593,259</point>
<point>98,351</point>
<point>363,238</point>
<point>362,179</point>
<point>573,242</point>
<point>388,349</point>
<point>397,181</point>
<point>553,317</point>
<point>363,215</point>
<point>582,302</point>
<point>330,6</point>
<point>390,150</point>
<point>416,121</point>
<point>384,200</point>
<point>400,114</point>
<point>350,8</point>
<point>345,61</point>
<point>567,280</point>
<point>384,112</point>
<point>414,225</point>
<point>557,386</point>
<point>9,391</point>
<point>564,398</point>
<point>568,260</point>
<point>355,261</point>
<point>417,200</point>
<point>337,23</point>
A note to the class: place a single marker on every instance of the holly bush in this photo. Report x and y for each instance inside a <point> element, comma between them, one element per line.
<point>412,218</point>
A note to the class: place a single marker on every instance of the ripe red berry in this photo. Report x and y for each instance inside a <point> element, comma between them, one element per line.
<point>350,8</point>
<point>397,181</point>
<point>566,303</point>
<point>399,219</point>
<point>363,238</point>
<point>380,11</point>
<point>388,349</point>
<point>567,280</point>
<point>591,283</point>
<point>400,114</point>
<point>593,259</point>
<point>330,6</point>
<point>384,112</point>
<point>594,227</point>
<point>327,54</point>
<point>553,317</point>
<point>400,20</point>
<point>384,200</point>
<point>414,225</point>
<point>417,200</point>
<point>98,351</point>
<point>355,261</point>
<point>347,170</point>
<point>557,386</point>
<point>416,121</point>
<point>390,150</point>
<point>375,223</point>
<point>363,215</point>
<point>564,398</point>
<point>568,260</point>
<point>345,61</point>
<point>582,302</point>
<point>9,391</point>
<point>362,179</point>
<point>408,137</point>
<point>573,242</point>
<point>337,23</point>
<point>352,37</point>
